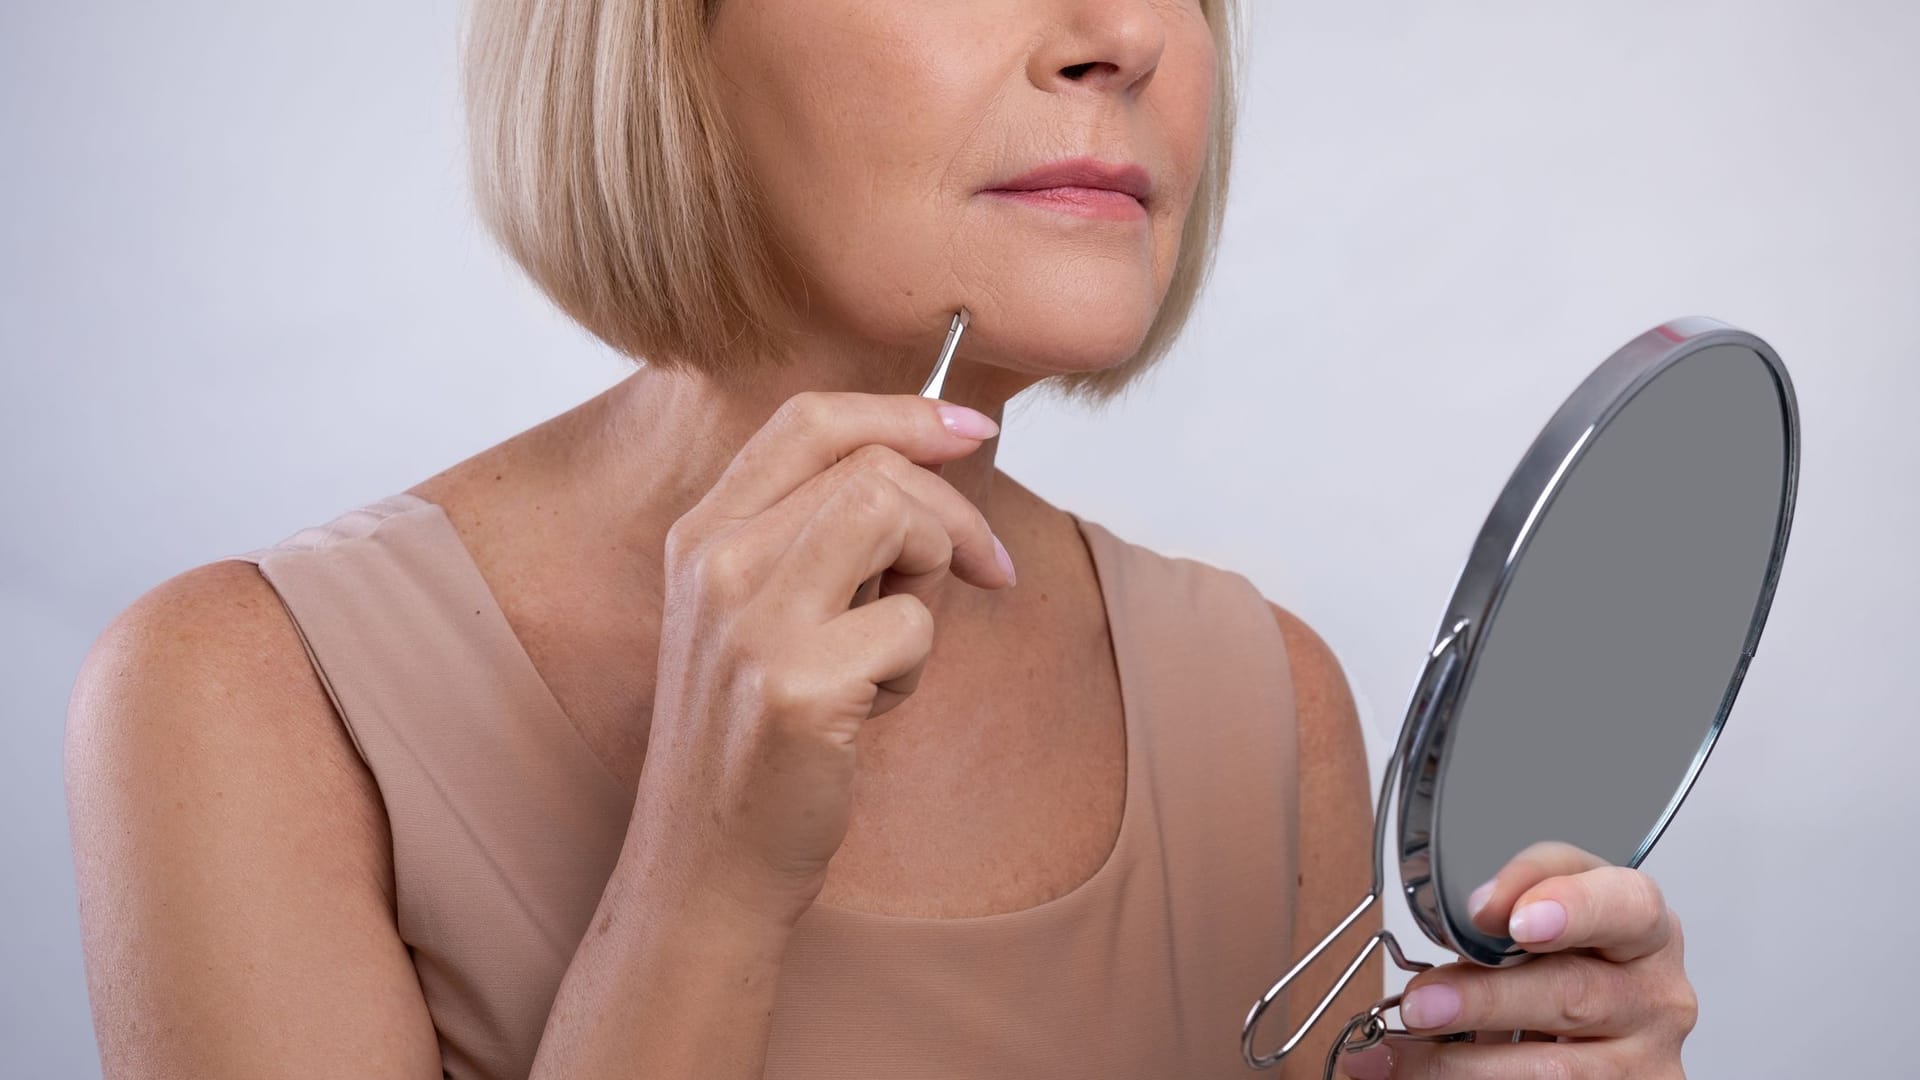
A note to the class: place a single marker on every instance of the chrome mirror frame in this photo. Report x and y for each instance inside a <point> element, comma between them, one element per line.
<point>1416,771</point>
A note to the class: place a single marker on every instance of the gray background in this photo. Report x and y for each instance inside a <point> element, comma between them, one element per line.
<point>240,290</point>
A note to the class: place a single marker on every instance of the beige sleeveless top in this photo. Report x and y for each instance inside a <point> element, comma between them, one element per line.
<point>506,827</point>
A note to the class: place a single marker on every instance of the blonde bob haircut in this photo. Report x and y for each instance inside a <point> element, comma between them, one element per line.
<point>601,164</point>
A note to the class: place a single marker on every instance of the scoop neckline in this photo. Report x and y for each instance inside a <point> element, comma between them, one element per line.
<point>1117,855</point>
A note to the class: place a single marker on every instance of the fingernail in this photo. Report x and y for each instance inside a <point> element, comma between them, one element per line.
<point>968,423</point>
<point>1542,920</point>
<point>1373,1063</point>
<point>1430,1006</point>
<point>1478,898</point>
<point>1005,560</point>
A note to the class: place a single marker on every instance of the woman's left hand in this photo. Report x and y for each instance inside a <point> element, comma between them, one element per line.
<point>1612,985</point>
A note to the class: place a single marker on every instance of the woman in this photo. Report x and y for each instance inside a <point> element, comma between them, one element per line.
<point>573,761</point>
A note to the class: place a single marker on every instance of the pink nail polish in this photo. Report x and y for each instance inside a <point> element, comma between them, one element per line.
<point>1540,921</point>
<point>1432,1006</point>
<point>967,423</point>
<point>1373,1063</point>
<point>1005,560</point>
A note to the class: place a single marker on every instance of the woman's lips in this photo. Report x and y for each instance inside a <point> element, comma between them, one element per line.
<point>1102,203</point>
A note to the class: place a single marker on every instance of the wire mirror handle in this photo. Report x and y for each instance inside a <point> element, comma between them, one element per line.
<point>1443,662</point>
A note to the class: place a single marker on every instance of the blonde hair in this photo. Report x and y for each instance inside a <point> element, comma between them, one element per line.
<point>601,164</point>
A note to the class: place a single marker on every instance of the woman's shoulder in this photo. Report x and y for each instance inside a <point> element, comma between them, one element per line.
<point>1327,715</point>
<point>212,645</point>
<point>218,809</point>
<point>1316,667</point>
<point>197,705</point>
<point>203,687</point>
<point>218,629</point>
<point>211,670</point>
<point>211,631</point>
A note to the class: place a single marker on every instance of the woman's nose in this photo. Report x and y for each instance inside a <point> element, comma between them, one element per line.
<point>1112,46</point>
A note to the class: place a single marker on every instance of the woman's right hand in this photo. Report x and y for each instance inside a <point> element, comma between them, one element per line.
<point>765,675</point>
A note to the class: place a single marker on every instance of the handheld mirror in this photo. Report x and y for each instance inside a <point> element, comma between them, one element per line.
<point>1594,643</point>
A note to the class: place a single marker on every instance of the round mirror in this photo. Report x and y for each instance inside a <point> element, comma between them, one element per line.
<point>1593,645</point>
<point>1606,615</point>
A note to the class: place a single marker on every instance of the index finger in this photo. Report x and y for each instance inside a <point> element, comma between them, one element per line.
<point>814,429</point>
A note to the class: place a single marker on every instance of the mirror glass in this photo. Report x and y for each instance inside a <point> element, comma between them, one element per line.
<point>1611,658</point>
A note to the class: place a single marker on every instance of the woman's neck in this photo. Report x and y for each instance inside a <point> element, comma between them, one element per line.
<point>638,456</point>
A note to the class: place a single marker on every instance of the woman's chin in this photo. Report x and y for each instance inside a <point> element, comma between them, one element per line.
<point>1093,325</point>
<point>1096,325</point>
<point>1058,338</point>
<point>1044,358</point>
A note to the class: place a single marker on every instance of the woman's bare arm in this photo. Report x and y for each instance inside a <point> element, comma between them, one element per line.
<point>1336,845</point>
<point>673,979</point>
<point>236,887</point>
